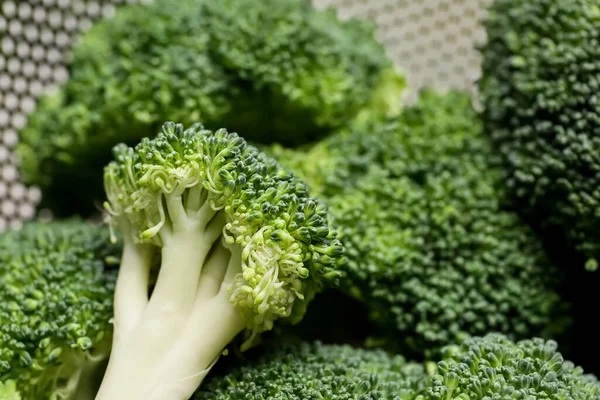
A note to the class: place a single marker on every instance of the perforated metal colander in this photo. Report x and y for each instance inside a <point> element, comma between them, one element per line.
<point>434,41</point>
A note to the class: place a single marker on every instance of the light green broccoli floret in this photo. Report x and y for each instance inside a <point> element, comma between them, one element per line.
<point>540,85</point>
<point>494,367</point>
<point>242,246</point>
<point>277,70</point>
<point>431,251</point>
<point>318,371</point>
<point>56,297</point>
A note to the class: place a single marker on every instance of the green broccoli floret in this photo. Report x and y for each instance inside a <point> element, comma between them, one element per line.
<point>494,367</point>
<point>307,71</point>
<point>541,77</point>
<point>8,391</point>
<point>277,70</point>
<point>242,246</point>
<point>304,371</point>
<point>430,249</point>
<point>56,297</point>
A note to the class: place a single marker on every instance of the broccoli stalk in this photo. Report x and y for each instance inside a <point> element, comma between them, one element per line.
<point>241,246</point>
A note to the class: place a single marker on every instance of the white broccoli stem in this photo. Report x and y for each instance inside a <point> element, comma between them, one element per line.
<point>131,290</point>
<point>214,323</point>
<point>184,252</point>
<point>181,332</point>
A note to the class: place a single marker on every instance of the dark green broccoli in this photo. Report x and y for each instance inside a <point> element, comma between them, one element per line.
<point>431,251</point>
<point>540,85</point>
<point>273,70</point>
<point>305,71</point>
<point>494,367</point>
<point>305,371</point>
<point>56,297</point>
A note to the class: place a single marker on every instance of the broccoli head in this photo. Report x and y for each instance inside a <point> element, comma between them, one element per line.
<point>277,70</point>
<point>307,71</point>
<point>541,76</point>
<point>495,367</point>
<point>301,371</point>
<point>242,245</point>
<point>56,297</point>
<point>431,251</point>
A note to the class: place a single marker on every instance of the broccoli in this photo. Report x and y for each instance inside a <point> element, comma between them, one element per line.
<point>242,245</point>
<point>431,251</point>
<point>301,371</point>
<point>480,367</point>
<point>494,367</point>
<point>277,70</point>
<point>541,76</point>
<point>56,297</point>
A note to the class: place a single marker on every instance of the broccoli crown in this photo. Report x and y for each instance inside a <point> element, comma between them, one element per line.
<point>287,247</point>
<point>494,367</point>
<point>306,69</point>
<point>126,74</point>
<point>541,76</point>
<point>317,371</point>
<point>55,304</point>
<point>278,70</point>
<point>430,249</point>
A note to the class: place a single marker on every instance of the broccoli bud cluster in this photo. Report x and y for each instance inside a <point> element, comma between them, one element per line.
<point>295,371</point>
<point>431,250</point>
<point>541,77</point>
<point>276,70</point>
<point>56,304</point>
<point>494,367</point>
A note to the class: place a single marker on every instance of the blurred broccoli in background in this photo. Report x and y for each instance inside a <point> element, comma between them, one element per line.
<point>431,251</point>
<point>56,303</point>
<point>540,85</point>
<point>274,71</point>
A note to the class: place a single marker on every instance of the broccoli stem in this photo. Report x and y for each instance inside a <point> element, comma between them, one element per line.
<point>178,335</point>
<point>131,290</point>
<point>168,358</point>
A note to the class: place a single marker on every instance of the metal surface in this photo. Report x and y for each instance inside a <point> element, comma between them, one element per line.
<point>433,41</point>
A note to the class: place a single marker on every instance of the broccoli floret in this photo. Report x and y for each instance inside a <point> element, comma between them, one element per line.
<point>56,297</point>
<point>277,70</point>
<point>242,245</point>
<point>494,367</point>
<point>303,371</point>
<point>541,76</point>
<point>308,72</point>
<point>127,73</point>
<point>431,250</point>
